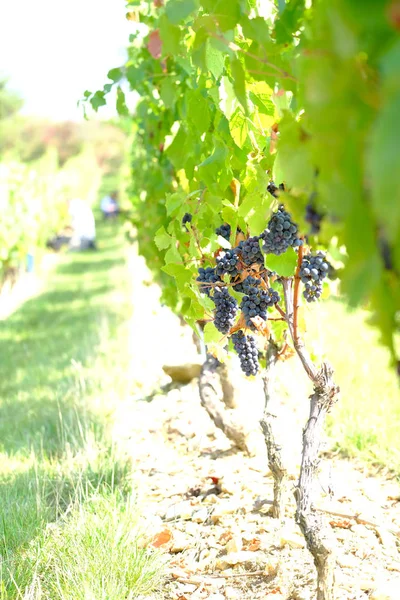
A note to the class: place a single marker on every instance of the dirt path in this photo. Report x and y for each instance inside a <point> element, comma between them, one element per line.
<point>206,505</point>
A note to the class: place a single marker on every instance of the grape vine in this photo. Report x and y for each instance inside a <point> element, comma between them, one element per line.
<point>229,91</point>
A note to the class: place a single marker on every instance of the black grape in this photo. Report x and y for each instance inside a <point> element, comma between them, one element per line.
<point>314,218</point>
<point>187,218</point>
<point>256,303</point>
<point>227,262</point>
<point>281,233</point>
<point>250,251</point>
<point>225,310</point>
<point>313,270</point>
<point>246,348</point>
<point>224,231</point>
<point>273,189</point>
<point>207,276</point>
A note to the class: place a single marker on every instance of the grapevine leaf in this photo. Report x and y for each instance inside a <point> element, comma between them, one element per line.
<point>97,100</point>
<point>384,161</point>
<point>173,202</point>
<point>162,239</point>
<point>179,10</point>
<point>198,111</point>
<point>284,264</point>
<point>239,128</point>
<point>239,82</point>
<point>211,333</point>
<point>293,164</point>
<point>115,74</point>
<point>122,108</point>
<point>170,36</point>
<point>154,45</point>
<point>228,102</point>
<point>168,92</point>
<point>214,59</point>
<point>277,329</point>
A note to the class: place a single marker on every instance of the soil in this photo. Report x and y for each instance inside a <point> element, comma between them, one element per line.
<point>206,506</point>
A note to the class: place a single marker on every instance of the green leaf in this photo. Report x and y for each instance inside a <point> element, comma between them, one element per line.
<point>261,95</point>
<point>215,59</point>
<point>198,111</point>
<point>172,255</point>
<point>173,202</point>
<point>239,82</point>
<point>284,265</point>
<point>162,240</point>
<point>384,167</point>
<point>179,10</point>
<point>211,334</point>
<point>97,100</point>
<point>293,164</point>
<point>122,109</point>
<point>239,128</point>
<point>115,74</point>
<point>168,92</point>
<point>278,328</point>
<point>170,35</point>
<point>228,102</point>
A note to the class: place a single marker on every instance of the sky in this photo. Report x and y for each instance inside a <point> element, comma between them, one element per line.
<point>52,51</point>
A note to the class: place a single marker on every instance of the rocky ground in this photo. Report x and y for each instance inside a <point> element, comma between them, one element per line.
<point>206,506</point>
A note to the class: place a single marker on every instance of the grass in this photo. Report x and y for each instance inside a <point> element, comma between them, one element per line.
<point>69,521</point>
<point>366,421</point>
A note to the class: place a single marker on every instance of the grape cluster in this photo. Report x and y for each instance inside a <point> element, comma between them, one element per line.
<point>256,303</point>
<point>314,268</point>
<point>313,217</point>
<point>273,189</point>
<point>250,251</point>
<point>207,276</point>
<point>246,348</point>
<point>244,286</point>
<point>227,262</point>
<point>225,310</point>
<point>187,218</point>
<point>224,231</point>
<point>280,234</point>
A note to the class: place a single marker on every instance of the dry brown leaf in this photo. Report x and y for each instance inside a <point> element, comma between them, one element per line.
<point>225,537</point>
<point>253,545</point>
<point>162,538</point>
<point>342,523</point>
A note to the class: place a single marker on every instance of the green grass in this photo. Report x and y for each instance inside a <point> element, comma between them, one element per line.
<point>69,522</point>
<point>366,420</point>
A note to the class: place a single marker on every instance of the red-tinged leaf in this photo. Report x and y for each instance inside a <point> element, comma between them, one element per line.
<point>162,538</point>
<point>154,45</point>
<point>158,3</point>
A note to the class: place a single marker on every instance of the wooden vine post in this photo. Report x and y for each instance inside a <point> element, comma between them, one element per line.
<point>318,536</point>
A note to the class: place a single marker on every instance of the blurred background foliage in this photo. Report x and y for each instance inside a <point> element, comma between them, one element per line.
<point>42,165</point>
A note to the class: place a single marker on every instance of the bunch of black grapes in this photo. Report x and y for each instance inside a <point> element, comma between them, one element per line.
<point>313,270</point>
<point>228,263</point>
<point>206,277</point>
<point>224,231</point>
<point>246,348</point>
<point>314,218</point>
<point>256,303</point>
<point>281,233</point>
<point>226,309</point>
<point>250,251</point>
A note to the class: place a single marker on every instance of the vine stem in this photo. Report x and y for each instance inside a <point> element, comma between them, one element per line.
<point>296,289</point>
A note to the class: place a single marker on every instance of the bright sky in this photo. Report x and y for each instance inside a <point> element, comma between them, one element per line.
<point>54,50</point>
